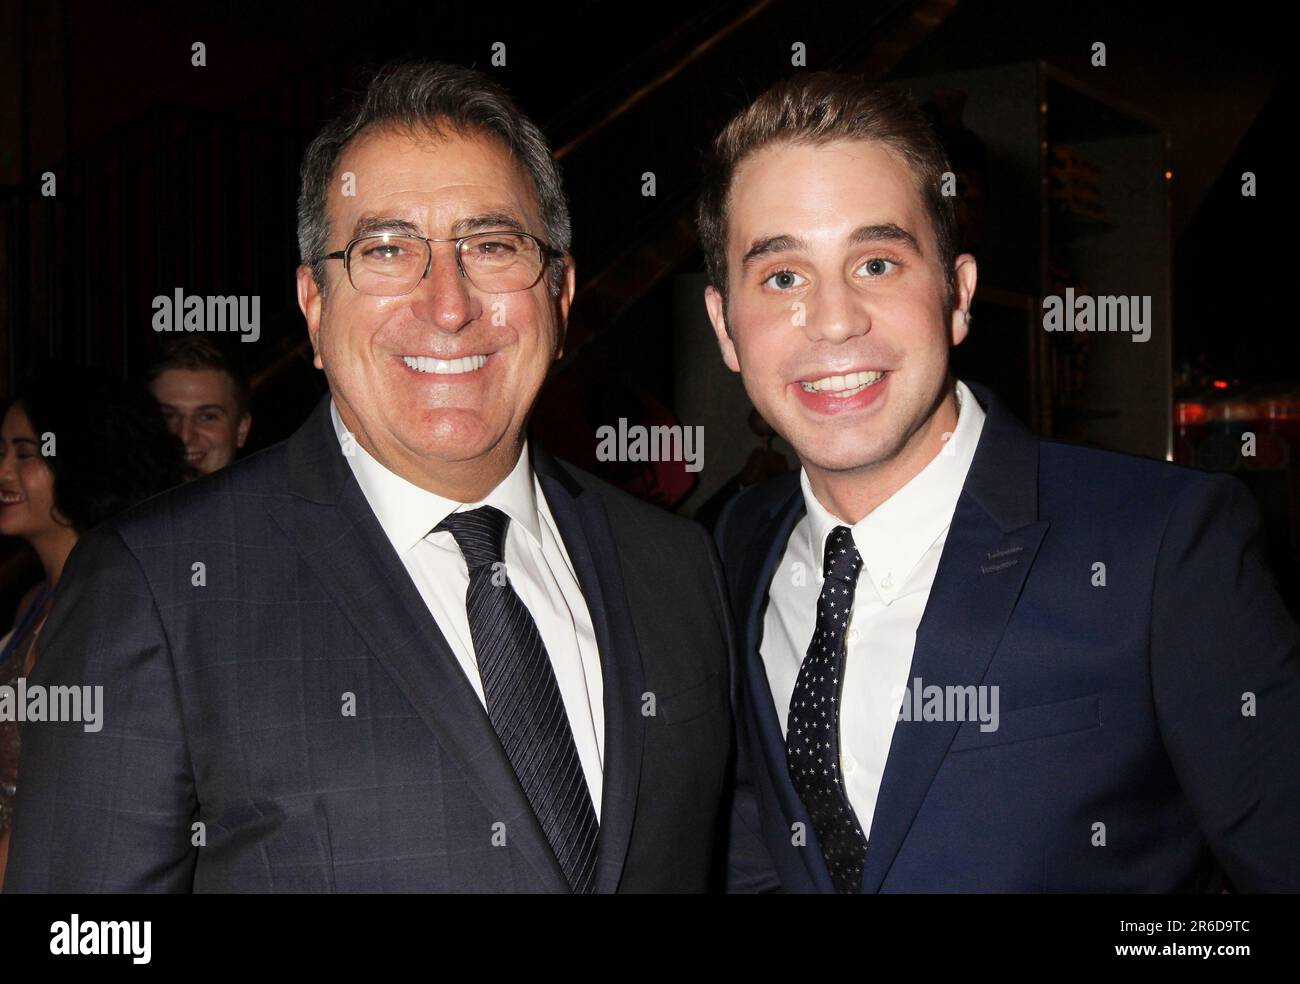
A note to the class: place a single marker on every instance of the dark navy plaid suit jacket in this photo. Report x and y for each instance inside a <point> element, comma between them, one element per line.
<point>226,761</point>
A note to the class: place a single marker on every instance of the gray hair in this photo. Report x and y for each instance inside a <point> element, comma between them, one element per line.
<point>430,97</point>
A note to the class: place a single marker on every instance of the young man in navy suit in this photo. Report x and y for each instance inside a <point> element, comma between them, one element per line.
<point>973,660</point>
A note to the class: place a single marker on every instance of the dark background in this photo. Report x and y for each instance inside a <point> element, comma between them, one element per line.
<point>175,176</point>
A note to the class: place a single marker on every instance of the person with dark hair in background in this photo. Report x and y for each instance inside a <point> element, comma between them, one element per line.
<point>75,449</point>
<point>205,400</point>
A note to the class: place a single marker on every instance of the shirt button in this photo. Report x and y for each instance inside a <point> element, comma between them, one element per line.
<point>888,582</point>
<point>850,766</point>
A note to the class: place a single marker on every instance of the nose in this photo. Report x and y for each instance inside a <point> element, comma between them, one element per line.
<point>836,313</point>
<point>444,298</point>
<point>185,430</point>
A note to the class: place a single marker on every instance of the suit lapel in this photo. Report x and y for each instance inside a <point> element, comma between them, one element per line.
<point>339,538</point>
<point>992,542</point>
<point>589,540</point>
<point>765,551</point>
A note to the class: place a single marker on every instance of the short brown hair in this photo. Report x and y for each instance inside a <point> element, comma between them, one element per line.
<point>817,108</point>
<point>196,353</point>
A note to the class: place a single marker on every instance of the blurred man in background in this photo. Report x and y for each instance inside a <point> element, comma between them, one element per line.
<point>204,399</point>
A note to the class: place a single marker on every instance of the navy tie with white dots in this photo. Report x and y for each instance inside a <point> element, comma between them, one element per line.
<point>812,740</point>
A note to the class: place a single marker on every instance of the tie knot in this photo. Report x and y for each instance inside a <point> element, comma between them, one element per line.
<point>842,561</point>
<point>480,534</point>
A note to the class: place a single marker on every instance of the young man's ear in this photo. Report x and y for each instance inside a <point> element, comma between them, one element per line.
<point>565,301</point>
<point>716,305</point>
<point>965,275</point>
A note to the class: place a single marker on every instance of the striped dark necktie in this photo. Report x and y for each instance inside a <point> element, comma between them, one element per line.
<point>523,699</point>
<point>812,739</point>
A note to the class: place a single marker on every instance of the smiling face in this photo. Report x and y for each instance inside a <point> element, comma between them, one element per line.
<point>836,307</point>
<point>26,481</point>
<point>201,407</point>
<point>436,384</point>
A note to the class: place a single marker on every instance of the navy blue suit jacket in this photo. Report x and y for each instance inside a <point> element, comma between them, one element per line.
<point>1123,761</point>
<point>224,702</point>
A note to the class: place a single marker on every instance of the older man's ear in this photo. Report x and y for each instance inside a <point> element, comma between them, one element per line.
<point>309,302</point>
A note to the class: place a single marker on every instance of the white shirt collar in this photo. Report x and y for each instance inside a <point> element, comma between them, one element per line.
<point>894,536</point>
<point>409,513</point>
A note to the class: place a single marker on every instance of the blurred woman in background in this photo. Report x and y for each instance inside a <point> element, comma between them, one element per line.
<point>75,449</point>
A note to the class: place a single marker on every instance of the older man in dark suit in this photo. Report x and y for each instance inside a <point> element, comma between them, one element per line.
<point>405,650</point>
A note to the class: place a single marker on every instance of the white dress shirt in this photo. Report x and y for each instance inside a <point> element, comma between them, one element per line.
<point>537,565</point>
<point>900,542</point>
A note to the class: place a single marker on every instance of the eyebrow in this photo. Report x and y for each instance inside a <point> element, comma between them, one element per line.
<point>498,219</point>
<point>884,232</point>
<point>372,225</point>
<point>200,407</point>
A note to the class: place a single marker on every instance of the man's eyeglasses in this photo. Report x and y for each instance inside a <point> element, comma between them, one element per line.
<point>390,264</point>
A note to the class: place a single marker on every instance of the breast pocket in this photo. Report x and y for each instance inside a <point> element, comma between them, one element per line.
<point>1027,723</point>
<point>694,701</point>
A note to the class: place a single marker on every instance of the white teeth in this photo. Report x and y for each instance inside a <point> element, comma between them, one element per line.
<point>10,497</point>
<point>843,386</point>
<point>425,363</point>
